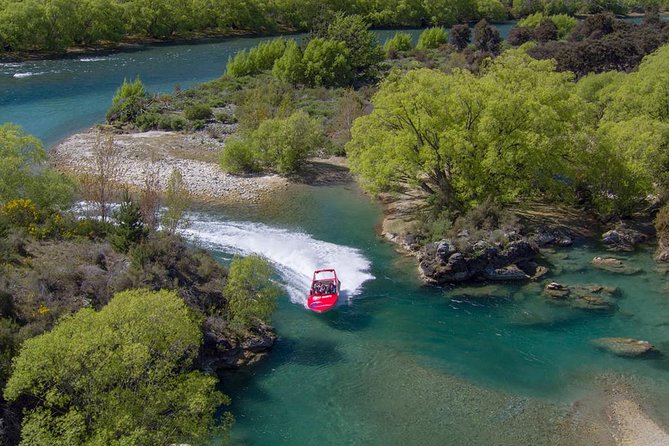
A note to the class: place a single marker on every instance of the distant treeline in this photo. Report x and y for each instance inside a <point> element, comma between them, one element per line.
<point>27,25</point>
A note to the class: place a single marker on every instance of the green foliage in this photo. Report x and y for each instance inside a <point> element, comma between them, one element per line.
<point>289,68</point>
<point>279,144</point>
<point>491,10</point>
<point>110,377</point>
<point>399,42</point>
<point>463,139</point>
<point>177,200</point>
<point>364,51</point>
<point>129,227</point>
<point>24,173</point>
<point>251,293</point>
<point>268,98</point>
<point>127,103</point>
<point>197,112</point>
<point>257,60</point>
<point>662,222</point>
<point>327,63</point>
<point>432,38</point>
<point>563,22</point>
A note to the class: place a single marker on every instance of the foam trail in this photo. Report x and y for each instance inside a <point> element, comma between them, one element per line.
<point>295,255</point>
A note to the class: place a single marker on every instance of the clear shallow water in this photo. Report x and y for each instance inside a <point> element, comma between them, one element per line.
<point>405,364</point>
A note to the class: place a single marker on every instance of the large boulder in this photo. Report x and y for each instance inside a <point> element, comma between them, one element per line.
<point>626,347</point>
<point>623,238</point>
<point>223,349</point>
<point>441,262</point>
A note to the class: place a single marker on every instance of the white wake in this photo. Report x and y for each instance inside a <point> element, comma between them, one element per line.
<point>295,255</point>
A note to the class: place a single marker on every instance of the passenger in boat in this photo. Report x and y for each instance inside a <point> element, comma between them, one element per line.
<point>333,288</point>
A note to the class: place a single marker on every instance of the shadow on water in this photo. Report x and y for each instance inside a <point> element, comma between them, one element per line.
<point>349,318</point>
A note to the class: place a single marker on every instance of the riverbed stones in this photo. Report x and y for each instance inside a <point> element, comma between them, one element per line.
<point>583,297</point>
<point>626,347</point>
<point>613,265</point>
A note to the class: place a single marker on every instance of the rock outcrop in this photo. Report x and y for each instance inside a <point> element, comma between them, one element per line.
<point>224,350</point>
<point>623,238</point>
<point>584,297</point>
<point>442,262</point>
<point>626,347</point>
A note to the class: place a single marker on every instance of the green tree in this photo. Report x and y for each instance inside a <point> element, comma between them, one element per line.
<point>399,42</point>
<point>250,292</point>
<point>463,139</point>
<point>365,53</point>
<point>120,376</point>
<point>289,67</point>
<point>177,200</point>
<point>129,228</point>
<point>432,38</point>
<point>327,63</point>
<point>127,103</point>
<point>279,144</point>
<point>24,173</point>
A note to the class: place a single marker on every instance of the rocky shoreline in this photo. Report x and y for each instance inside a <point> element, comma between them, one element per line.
<point>155,154</point>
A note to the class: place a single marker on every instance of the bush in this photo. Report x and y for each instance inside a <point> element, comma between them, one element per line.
<point>197,112</point>
<point>486,37</point>
<point>279,144</point>
<point>130,228</point>
<point>172,122</point>
<point>257,60</point>
<point>460,36</point>
<point>127,103</point>
<point>250,292</point>
<point>399,42</point>
<point>520,35</point>
<point>327,63</point>
<point>432,38</point>
<point>289,67</point>
<point>110,377</point>
<point>491,10</point>
<point>238,156</point>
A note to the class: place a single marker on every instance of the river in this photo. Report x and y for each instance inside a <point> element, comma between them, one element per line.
<point>396,363</point>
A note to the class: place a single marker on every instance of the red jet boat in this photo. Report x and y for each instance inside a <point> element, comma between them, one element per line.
<point>324,291</point>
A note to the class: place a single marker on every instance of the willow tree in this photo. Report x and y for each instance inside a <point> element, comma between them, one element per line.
<point>508,133</point>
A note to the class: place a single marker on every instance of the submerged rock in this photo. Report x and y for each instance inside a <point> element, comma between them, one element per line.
<point>584,297</point>
<point>613,265</point>
<point>626,347</point>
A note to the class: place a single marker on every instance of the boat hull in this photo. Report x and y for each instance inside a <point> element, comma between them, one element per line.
<point>322,303</point>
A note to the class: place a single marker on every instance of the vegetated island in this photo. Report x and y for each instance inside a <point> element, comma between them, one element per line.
<point>475,133</point>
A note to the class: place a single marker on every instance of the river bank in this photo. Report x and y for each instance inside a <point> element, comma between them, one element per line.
<point>154,154</point>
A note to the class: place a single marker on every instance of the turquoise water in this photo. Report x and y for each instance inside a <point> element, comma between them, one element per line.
<point>396,363</point>
<point>399,363</point>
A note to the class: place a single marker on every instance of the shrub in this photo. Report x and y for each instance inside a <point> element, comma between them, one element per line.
<point>198,112</point>
<point>399,42</point>
<point>327,63</point>
<point>486,37</point>
<point>225,118</point>
<point>147,121</point>
<point>257,60</point>
<point>250,292</point>
<point>520,35</point>
<point>289,67</point>
<point>492,10</point>
<point>662,223</point>
<point>110,377</point>
<point>432,38</point>
<point>545,31</point>
<point>130,228</point>
<point>238,156</point>
<point>460,36</point>
<point>280,144</point>
<point>20,213</point>
<point>127,103</point>
<point>172,122</point>
<point>564,23</point>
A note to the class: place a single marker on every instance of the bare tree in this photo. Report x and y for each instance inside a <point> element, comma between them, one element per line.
<point>101,185</point>
<point>149,196</point>
<point>177,199</point>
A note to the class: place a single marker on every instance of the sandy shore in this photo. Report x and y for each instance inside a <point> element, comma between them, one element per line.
<point>157,153</point>
<point>633,427</point>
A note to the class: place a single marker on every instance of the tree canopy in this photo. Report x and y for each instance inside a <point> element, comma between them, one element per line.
<point>119,376</point>
<point>505,134</point>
